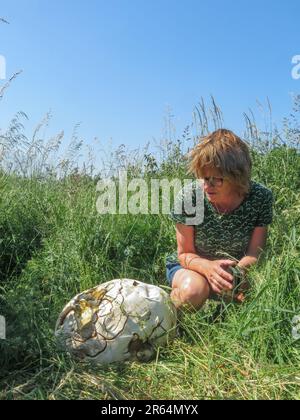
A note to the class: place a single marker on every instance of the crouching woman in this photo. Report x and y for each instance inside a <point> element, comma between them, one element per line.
<point>233,230</point>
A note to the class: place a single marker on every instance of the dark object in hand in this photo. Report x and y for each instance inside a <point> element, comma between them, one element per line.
<point>240,285</point>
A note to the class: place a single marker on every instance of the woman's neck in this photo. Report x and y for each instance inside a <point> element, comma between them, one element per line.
<point>229,203</point>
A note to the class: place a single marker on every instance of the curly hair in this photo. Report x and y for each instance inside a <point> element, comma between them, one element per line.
<point>225,151</point>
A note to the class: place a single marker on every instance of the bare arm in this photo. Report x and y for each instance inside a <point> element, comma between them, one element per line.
<point>187,254</point>
<point>255,248</point>
<point>190,260</point>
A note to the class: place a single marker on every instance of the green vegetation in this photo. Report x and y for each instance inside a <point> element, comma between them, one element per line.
<point>53,244</point>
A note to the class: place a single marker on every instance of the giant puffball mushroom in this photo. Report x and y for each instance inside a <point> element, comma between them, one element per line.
<point>120,320</point>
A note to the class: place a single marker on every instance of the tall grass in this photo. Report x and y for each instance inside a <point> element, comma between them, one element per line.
<point>54,244</point>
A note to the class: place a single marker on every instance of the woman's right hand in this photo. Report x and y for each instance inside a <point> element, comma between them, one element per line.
<point>218,276</point>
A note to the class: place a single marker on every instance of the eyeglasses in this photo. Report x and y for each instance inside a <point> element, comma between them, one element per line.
<point>214,181</point>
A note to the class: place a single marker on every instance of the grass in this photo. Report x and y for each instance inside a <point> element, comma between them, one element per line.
<point>54,244</point>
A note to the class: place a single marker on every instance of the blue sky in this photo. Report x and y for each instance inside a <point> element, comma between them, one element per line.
<point>117,65</point>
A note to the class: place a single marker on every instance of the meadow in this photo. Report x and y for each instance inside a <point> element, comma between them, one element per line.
<point>53,244</point>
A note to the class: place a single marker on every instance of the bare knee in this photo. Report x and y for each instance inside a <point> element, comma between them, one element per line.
<point>194,292</point>
<point>190,289</point>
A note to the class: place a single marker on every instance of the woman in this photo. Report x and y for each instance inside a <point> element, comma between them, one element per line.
<point>233,232</point>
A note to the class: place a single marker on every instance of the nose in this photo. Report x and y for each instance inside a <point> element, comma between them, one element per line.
<point>209,183</point>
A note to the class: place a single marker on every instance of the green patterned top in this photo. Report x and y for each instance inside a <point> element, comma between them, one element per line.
<point>227,235</point>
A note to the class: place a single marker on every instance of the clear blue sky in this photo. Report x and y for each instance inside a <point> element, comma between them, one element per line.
<point>116,65</point>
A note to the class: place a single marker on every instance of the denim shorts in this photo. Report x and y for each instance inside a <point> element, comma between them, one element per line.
<point>171,269</point>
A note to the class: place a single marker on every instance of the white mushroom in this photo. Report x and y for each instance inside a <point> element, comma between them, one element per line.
<point>120,320</point>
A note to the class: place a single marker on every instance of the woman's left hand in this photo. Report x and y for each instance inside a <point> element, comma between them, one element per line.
<point>243,288</point>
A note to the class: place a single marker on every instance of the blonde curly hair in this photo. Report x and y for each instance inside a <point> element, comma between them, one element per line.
<point>225,151</point>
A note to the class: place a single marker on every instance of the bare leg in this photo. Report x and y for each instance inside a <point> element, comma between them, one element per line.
<point>190,290</point>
